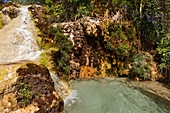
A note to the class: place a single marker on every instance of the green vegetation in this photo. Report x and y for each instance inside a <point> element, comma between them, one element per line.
<point>70,10</point>
<point>142,26</point>
<point>144,23</point>
<point>120,44</point>
<point>1,21</point>
<point>25,95</point>
<point>164,52</point>
<point>60,57</point>
<point>140,66</point>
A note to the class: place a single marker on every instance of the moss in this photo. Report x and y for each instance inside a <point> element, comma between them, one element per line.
<point>1,21</point>
<point>44,58</point>
<point>38,41</point>
<point>25,94</point>
<point>6,69</point>
<point>49,45</point>
<point>47,60</point>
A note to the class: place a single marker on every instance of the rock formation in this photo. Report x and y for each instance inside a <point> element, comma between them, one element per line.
<point>38,11</point>
<point>90,37</point>
<point>9,13</point>
<point>32,90</point>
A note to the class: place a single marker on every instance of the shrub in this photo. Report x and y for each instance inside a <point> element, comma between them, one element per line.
<point>140,67</point>
<point>164,54</point>
<point>120,44</point>
<point>61,57</point>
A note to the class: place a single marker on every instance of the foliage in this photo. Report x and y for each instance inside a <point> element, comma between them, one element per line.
<point>164,52</point>
<point>140,66</point>
<point>1,21</point>
<point>25,95</point>
<point>61,58</point>
<point>120,42</point>
<point>49,3</point>
<point>67,10</point>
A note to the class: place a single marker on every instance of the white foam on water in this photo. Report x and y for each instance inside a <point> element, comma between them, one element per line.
<point>27,49</point>
<point>22,39</point>
<point>72,98</point>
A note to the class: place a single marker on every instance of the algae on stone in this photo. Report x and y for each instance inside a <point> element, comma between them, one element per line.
<point>1,21</point>
<point>47,59</point>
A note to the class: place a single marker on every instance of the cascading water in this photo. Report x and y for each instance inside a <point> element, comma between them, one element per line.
<point>20,43</point>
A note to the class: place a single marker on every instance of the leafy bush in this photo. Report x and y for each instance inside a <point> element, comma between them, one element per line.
<point>120,44</point>
<point>62,57</point>
<point>164,52</point>
<point>119,40</point>
<point>140,67</point>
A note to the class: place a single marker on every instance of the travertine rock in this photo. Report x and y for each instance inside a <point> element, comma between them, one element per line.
<point>38,11</point>
<point>30,90</point>
<point>9,13</point>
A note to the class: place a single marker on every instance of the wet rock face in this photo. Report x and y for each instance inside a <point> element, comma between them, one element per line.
<point>36,70</point>
<point>9,13</point>
<point>38,11</point>
<point>34,86</point>
<point>83,34</point>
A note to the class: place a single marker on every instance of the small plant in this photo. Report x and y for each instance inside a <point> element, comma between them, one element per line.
<point>25,95</point>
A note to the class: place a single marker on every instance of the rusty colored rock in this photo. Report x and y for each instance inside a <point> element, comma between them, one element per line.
<point>88,72</point>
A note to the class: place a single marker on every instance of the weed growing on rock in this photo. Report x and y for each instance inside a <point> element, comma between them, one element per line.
<point>25,95</point>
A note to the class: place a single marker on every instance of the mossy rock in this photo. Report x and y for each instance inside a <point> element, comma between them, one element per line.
<point>8,75</point>
<point>34,69</point>
<point>35,85</point>
<point>46,58</point>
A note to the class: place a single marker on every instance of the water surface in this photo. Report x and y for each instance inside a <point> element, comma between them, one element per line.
<point>109,96</point>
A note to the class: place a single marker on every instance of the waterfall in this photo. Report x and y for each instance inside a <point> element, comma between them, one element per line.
<point>28,49</point>
<point>60,86</point>
<point>20,43</point>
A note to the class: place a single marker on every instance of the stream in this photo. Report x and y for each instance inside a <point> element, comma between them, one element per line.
<point>17,40</point>
<point>109,96</point>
